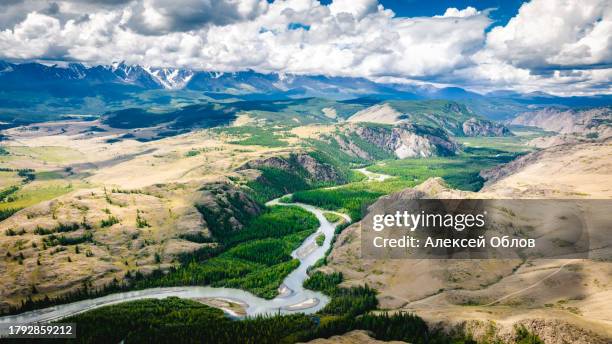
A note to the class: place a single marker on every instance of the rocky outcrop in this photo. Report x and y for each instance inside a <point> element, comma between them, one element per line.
<point>480,127</point>
<point>402,141</point>
<point>317,170</point>
<point>549,331</point>
<point>274,162</point>
<point>552,156</point>
<point>573,170</point>
<point>452,117</point>
<point>380,113</point>
<point>301,163</point>
<point>351,148</point>
<point>226,207</point>
<point>596,121</point>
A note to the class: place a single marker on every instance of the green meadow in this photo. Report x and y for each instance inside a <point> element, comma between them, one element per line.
<point>461,171</point>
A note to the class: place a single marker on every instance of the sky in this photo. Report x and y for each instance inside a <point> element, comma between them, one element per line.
<point>563,47</point>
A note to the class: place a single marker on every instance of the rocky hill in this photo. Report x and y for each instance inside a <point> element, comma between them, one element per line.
<point>566,121</point>
<point>370,141</point>
<point>454,118</point>
<point>301,163</point>
<point>479,127</point>
<point>94,237</point>
<point>380,113</point>
<point>563,171</point>
<point>491,297</point>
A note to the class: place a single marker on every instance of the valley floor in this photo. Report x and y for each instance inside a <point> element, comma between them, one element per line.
<point>85,209</point>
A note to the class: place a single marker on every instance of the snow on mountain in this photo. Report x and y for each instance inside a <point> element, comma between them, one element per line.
<point>134,74</point>
<point>170,78</point>
<point>114,81</point>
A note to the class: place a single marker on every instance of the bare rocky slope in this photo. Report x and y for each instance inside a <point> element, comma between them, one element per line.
<point>480,127</point>
<point>298,163</point>
<point>567,121</point>
<point>562,301</point>
<point>564,171</point>
<point>380,113</point>
<point>453,118</point>
<point>400,141</point>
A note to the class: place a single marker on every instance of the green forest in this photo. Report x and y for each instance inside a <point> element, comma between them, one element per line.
<point>255,259</point>
<point>186,321</point>
<point>460,172</point>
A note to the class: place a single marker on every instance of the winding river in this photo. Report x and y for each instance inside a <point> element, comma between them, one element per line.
<point>293,297</point>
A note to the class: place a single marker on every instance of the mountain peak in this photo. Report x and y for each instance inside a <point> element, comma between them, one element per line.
<point>170,78</point>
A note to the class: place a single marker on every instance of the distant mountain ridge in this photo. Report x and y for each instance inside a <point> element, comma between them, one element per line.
<point>248,81</point>
<point>567,121</point>
<point>25,74</point>
<point>77,73</point>
<point>45,91</point>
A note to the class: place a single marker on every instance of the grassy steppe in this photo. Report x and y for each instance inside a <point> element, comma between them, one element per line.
<point>256,136</point>
<point>37,192</point>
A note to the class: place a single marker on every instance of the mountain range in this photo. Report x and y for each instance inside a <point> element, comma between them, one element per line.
<point>35,88</point>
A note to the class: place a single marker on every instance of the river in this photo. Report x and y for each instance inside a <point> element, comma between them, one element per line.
<point>293,297</point>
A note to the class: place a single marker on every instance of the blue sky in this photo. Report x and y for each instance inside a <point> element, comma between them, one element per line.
<point>556,46</point>
<point>505,9</point>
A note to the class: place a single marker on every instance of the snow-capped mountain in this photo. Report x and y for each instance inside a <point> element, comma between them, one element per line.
<point>133,74</point>
<point>65,85</point>
<point>27,74</point>
<point>78,77</point>
<point>152,77</point>
<point>37,75</point>
<point>170,78</point>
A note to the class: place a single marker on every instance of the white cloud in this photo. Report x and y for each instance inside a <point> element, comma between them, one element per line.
<point>453,12</point>
<point>549,33</point>
<point>357,8</point>
<point>37,35</point>
<point>547,46</point>
<point>162,16</point>
<point>562,48</point>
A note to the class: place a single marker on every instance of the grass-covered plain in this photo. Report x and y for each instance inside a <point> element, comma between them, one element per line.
<point>8,178</point>
<point>516,143</point>
<point>256,135</point>
<point>23,187</point>
<point>37,192</point>
<point>49,154</point>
